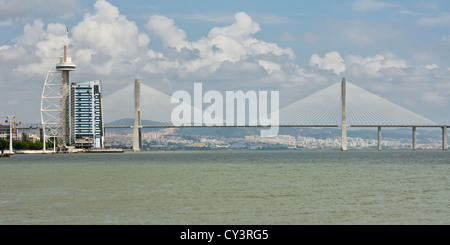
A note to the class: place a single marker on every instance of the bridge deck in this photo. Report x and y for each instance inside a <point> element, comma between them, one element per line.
<point>288,126</point>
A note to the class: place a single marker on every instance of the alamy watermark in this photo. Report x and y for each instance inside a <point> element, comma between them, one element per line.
<point>189,111</point>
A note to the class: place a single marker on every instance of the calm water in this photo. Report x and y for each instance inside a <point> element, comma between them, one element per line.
<point>229,187</point>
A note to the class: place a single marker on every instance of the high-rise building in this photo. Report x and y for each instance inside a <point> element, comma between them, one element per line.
<point>86,120</point>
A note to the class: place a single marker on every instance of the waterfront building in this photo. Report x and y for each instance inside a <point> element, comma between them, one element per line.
<point>86,117</point>
<point>4,132</point>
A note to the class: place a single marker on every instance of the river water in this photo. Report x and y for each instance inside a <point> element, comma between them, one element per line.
<point>227,188</point>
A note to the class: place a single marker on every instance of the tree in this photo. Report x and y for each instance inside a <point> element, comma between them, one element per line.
<point>25,137</point>
<point>4,144</point>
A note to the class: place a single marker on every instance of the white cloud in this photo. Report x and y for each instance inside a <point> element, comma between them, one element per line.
<point>165,29</point>
<point>103,43</point>
<point>17,12</point>
<point>370,5</point>
<point>107,42</point>
<point>241,29</point>
<point>270,67</point>
<point>358,66</point>
<point>433,97</point>
<point>441,20</point>
<point>32,33</point>
<point>233,43</point>
<point>109,32</point>
<point>432,67</point>
<point>35,49</point>
<point>372,65</point>
<point>6,22</point>
<point>409,12</point>
<point>332,61</point>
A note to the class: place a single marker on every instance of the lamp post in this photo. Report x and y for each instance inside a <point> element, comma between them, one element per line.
<point>10,120</point>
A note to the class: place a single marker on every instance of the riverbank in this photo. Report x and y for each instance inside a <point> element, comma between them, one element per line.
<point>71,151</point>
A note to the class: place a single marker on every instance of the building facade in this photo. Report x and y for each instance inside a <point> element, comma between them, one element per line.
<point>86,117</point>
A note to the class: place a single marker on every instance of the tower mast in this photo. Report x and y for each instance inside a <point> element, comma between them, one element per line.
<point>344,119</point>
<point>65,66</point>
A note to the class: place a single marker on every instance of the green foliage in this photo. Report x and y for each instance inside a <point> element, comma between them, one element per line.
<point>26,144</point>
<point>25,137</point>
<point>4,144</point>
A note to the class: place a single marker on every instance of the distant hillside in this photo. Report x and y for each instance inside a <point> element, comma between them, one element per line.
<point>318,133</point>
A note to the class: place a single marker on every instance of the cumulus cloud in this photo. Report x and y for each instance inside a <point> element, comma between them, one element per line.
<point>32,33</point>
<point>221,48</point>
<point>109,32</point>
<point>25,64</point>
<point>165,29</point>
<point>35,49</point>
<point>103,42</point>
<point>372,65</point>
<point>332,61</point>
<point>241,29</point>
<point>109,35</point>
<point>357,66</point>
<point>270,67</point>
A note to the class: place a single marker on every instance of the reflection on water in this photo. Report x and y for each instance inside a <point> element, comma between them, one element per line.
<point>227,187</point>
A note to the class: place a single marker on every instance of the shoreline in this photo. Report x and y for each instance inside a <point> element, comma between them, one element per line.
<point>69,152</point>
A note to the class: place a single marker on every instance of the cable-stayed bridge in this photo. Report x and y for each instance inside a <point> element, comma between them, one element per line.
<point>341,105</point>
<point>362,109</point>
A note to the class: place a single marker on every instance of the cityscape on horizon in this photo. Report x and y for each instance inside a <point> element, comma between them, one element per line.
<point>168,139</point>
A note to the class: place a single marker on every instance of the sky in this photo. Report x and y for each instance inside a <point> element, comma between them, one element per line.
<point>395,49</point>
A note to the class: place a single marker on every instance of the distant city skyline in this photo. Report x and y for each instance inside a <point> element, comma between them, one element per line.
<point>395,49</point>
<point>162,140</point>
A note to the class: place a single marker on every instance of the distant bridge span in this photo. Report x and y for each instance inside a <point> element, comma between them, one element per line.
<point>414,127</point>
<point>324,109</point>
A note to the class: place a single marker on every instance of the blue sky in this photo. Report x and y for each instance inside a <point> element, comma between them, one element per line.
<point>396,49</point>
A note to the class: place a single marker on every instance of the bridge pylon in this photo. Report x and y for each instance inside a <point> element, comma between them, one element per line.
<point>137,130</point>
<point>344,119</point>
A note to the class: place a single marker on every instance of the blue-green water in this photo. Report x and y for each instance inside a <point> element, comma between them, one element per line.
<point>227,187</point>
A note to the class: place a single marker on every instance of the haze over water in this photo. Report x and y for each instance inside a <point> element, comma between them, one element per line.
<point>227,187</point>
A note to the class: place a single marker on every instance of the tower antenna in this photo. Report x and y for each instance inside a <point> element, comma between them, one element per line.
<point>67,36</point>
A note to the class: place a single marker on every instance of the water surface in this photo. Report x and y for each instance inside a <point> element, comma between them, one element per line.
<point>227,187</point>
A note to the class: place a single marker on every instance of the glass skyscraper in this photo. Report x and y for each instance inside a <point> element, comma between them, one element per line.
<point>86,115</point>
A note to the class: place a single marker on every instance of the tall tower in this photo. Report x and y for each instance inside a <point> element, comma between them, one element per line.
<point>344,119</point>
<point>65,66</point>
<point>137,130</point>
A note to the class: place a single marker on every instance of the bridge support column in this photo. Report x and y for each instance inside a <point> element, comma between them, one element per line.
<point>414,138</point>
<point>379,138</point>
<point>344,120</point>
<point>137,130</point>
<point>444,138</point>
